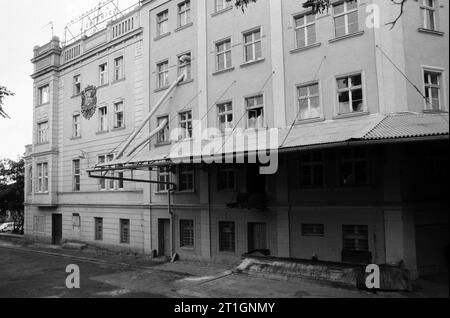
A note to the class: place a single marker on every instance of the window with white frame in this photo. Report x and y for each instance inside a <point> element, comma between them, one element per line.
<point>305,30</point>
<point>185,66</point>
<point>103,74</point>
<point>76,126</point>
<point>227,237</point>
<point>432,90</point>
<point>346,17</point>
<point>428,8</point>
<point>119,118</point>
<point>311,169</point>
<point>354,167</point>
<point>76,170</point>
<point>39,224</point>
<point>255,112</point>
<point>222,5</point>
<point>42,177</point>
<point>162,74</point>
<point>252,45</point>
<point>187,233</point>
<point>162,22</point>
<point>42,132</point>
<point>164,134</point>
<point>104,184</point>
<point>30,180</point>
<point>118,69</point>
<point>226,179</point>
<point>223,55</point>
<point>356,237</point>
<point>163,179</point>
<point>186,124</point>
<point>309,101</point>
<point>103,119</point>
<point>225,116</point>
<point>184,13</point>
<point>77,85</point>
<point>44,95</point>
<point>185,178</point>
<point>350,94</point>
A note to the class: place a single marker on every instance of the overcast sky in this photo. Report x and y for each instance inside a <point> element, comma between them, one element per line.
<point>22,26</point>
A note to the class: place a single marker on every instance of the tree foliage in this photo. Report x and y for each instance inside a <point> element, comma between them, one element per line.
<point>12,182</point>
<point>4,92</point>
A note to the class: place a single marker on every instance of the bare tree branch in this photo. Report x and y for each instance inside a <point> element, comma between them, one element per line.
<point>401,3</point>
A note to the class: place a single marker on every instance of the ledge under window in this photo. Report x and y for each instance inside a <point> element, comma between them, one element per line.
<point>185,26</point>
<point>310,120</point>
<point>305,48</point>
<point>161,36</point>
<point>434,32</point>
<point>75,138</point>
<point>347,36</point>
<point>161,89</point>
<point>252,62</point>
<point>214,14</point>
<point>186,82</point>
<point>223,71</point>
<point>102,132</point>
<point>118,81</point>
<point>349,115</point>
<point>118,128</point>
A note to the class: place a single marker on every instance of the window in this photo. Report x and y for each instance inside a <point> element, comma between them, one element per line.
<point>186,124</point>
<point>42,184</point>
<point>252,46</point>
<point>44,95</point>
<point>350,94</point>
<point>119,121</point>
<point>98,229</point>
<point>124,231</point>
<point>428,8</point>
<point>103,119</point>
<point>223,55</point>
<point>309,101</point>
<point>311,172</point>
<point>185,179</point>
<point>163,74</point>
<point>313,230</point>
<point>184,13</point>
<point>163,134</point>
<point>103,183</point>
<point>184,66</point>
<point>225,116</point>
<point>354,167</point>
<point>77,85</point>
<point>39,224</point>
<point>76,126</point>
<point>356,237</point>
<point>226,237</point>
<point>346,17</point>
<point>76,175</point>
<point>162,20</point>
<point>432,90</point>
<point>164,178</point>
<point>103,74</point>
<point>255,110</point>
<point>30,181</point>
<point>226,179</point>
<point>187,233</point>
<point>222,5</point>
<point>305,30</point>
<point>43,132</point>
<point>118,69</point>
<point>76,220</point>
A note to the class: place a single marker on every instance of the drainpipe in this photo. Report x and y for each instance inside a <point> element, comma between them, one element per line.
<point>169,207</point>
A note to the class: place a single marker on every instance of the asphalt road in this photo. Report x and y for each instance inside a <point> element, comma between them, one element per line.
<point>24,274</point>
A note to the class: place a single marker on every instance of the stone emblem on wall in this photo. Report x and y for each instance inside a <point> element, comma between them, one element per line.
<point>89,101</point>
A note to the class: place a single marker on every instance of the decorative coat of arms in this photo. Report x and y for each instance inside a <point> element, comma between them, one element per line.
<point>89,101</point>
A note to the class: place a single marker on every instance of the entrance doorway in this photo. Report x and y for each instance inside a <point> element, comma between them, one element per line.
<point>56,229</point>
<point>257,236</point>
<point>164,237</point>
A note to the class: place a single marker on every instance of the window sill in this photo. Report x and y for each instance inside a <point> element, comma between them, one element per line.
<point>75,138</point>
<point>215,14</point>
<point>347,36</point>
<point>186,82</point>
<point>118,128</point>
<point>42,193</point>
<point>305,48</point>
<point>75,96</point>
<point>429,31</point>
<point>159,37</point>
<point>42,143</point>
<point>434,111</point>
<point>350,115</point>
<point>44,104</point>
<point>182,27</point>
<point>184,192</point>
<point>187,249</point>
<point>252,62</point>
<point>162,144</point>
<point>310,120</point>
<point>102,132</point>
<point>118,81</point>
<point>161,89</point>
<point>226,70</point>
<point>103,85</point>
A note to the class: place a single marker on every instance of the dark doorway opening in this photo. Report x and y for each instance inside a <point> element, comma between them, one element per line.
<point>257,237</point>
<point>56,229</point>
<point>164,237</point>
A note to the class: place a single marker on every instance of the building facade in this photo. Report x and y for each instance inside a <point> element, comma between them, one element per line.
<point>359,178</point>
